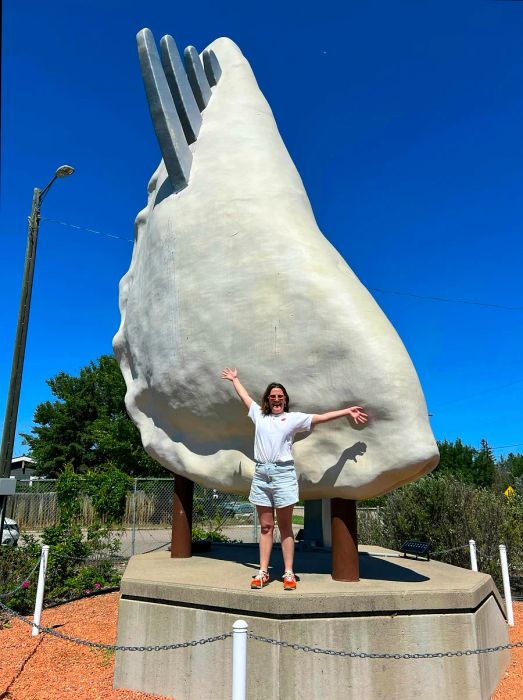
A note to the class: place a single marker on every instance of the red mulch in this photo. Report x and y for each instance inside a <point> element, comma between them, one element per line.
<point>46,668</point>
<point>511,687</point>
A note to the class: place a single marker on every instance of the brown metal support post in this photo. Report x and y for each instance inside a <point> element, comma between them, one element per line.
<point>182,518</point>
<point>344,537</point>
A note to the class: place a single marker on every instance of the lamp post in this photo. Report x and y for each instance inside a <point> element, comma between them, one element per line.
<point>13,397</point>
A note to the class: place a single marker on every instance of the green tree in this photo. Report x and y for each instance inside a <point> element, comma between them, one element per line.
<point>467,463</point>
<point>512,465</point>
<point>484,466</point>
<point>87,427</point>
<point>456,459</point>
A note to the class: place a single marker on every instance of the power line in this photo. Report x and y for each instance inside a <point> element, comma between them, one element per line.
<point>91,230</point>
<point>501,447</point>
<point>446,299</point>
<point>372,289</point>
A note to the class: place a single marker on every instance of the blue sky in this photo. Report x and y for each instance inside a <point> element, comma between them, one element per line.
<point>404,118</point>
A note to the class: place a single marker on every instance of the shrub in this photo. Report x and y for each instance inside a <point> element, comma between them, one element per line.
<point>108,490</point>
<point>79,560</point>
<point>16,564</point>
<point>448,513</point>
<point>199,533</point>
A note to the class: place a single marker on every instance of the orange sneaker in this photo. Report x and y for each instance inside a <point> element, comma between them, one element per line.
<point>260,580</point>
<point>289,581</point>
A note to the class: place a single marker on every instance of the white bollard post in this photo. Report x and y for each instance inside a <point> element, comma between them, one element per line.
<point>133,541</point>
<point>506,584</point>
<point>473,557</point>
<point>239,660</point>
<point>40,589</point>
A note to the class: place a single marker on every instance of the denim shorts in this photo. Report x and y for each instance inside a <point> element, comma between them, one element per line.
<point>274,484</point>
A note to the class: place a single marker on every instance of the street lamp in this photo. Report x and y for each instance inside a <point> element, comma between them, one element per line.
<point>13,397</point>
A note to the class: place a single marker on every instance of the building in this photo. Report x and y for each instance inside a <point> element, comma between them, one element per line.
<point>22,468</point>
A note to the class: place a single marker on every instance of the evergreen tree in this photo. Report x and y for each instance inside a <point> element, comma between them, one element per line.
<point>467,463</point>
<point>512,467</point>
<point>484,466</point>
<point>457,459</point>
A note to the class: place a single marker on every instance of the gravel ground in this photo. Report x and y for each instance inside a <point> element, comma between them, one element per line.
<point>46,668</point>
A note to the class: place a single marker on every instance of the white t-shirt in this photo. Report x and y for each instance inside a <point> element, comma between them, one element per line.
<point>274,434</point>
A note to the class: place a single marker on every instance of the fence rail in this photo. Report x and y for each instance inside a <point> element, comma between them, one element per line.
<point>148,505</point>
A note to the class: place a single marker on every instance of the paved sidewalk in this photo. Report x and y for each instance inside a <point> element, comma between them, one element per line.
<point>145,540</point>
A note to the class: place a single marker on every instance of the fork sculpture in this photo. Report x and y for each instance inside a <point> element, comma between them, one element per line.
<point>229,268</point>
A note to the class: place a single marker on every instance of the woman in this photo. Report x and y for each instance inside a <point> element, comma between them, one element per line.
<point>275,485</point>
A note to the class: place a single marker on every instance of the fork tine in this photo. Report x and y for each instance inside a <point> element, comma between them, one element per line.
<point>183,96</point>
<point>176,153</point>
<point>197,78</point>
<point>211,66</point>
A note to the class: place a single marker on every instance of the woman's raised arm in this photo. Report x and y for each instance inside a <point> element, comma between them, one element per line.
<point>232,376</point>
<point>355,412</point>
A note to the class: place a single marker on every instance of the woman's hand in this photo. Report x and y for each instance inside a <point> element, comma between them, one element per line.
<point>230,374</point>
<point>357,414</point>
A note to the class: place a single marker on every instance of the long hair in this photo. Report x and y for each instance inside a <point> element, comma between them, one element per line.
<point>265,407</point>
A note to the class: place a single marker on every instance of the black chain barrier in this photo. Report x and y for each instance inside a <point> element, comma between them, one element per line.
<point>113,647</point>
<point>22,582</point>
<point>258,638</point>
<point>97,560</point>
<point>452,549</point>
<point>370,655</point>
<point>486,557</point>
<point>155,549</point>
<point>113,559</point>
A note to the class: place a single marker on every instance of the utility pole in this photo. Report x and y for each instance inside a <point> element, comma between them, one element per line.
<point>13,396</point>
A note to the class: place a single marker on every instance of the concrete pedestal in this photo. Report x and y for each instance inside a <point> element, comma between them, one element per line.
<point>398,606</point>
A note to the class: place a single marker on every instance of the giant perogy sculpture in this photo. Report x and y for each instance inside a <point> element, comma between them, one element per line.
<point>229,268</point>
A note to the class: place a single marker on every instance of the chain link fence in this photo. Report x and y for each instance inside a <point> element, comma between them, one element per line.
<point>147,520</point>
<point>149,504</point>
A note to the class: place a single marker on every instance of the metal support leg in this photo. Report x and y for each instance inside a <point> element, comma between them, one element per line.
<point>182,518</point>
<point>345,563</point>
<point>312,523</point>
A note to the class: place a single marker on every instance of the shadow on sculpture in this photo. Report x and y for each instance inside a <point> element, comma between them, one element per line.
<point>351,453</point>
<point>166,190</point>
<point>229,267</point>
